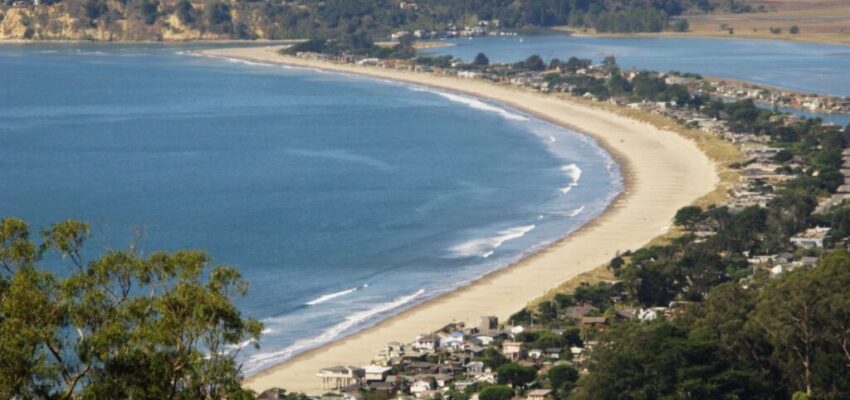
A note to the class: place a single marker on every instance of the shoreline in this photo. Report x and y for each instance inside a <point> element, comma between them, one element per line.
<point>661,171</point>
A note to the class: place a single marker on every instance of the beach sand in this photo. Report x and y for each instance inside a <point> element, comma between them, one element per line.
<point>663,172</point>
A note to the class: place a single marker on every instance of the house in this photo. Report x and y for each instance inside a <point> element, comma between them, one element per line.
<point>453,340</point>
<point>335,378</point>
<point>811,238</point>
<point>421,367</point>
<point>553,353</point>
<point>517,330</point>
<point>535,354</point>
<point>594,322</point>
<point>482,340</point>
<point>474,368</point>
<point>427,343</point>
<point>489,323</point>
<point>443,380</point>
<point>389,388</point>
<point>577,312</point>
<point>422,385</point>
<point>539,394</point>
<point>514,351</point>
<point>376,373</point>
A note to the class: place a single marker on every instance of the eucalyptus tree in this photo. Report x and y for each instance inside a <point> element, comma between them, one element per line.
<point>121,325</point>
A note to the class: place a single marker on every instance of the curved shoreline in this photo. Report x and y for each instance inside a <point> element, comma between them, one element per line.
<point>661,171</point>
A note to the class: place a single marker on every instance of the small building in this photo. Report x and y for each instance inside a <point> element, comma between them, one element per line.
<point>336,378</point>
<point>553,353</point>
<point>577,312</point>
<point>535,354</point>
<point>514,351</point>
<point>594,322</point>
<point>539,394</point>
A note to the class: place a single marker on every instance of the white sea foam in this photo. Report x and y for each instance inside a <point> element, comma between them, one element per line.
<point>474,103</point>
<point>257,361</point>
<point>331,296</point>
<point>485,247</point>
<point>576,212</point>
<point>574,172</point>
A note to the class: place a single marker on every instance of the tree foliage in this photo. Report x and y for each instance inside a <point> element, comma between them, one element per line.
<point>162,326</point>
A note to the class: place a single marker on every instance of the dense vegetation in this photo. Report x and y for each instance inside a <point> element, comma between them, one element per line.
<point>737,333</point>
<point>241,19</point>
<point>120,326</point>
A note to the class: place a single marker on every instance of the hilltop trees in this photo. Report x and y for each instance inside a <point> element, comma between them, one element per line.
<point>162,326</point>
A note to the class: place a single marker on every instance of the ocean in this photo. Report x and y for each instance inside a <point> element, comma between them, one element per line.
<point>343,200</point>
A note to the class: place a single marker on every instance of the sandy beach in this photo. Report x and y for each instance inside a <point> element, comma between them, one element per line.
<point>663,172</point>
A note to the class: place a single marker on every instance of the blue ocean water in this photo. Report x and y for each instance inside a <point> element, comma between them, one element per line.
<point>342,199</point>
<point>808,67</point>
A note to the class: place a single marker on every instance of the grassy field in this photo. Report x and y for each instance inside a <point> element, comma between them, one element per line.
<point>822,21</point>
<point>826,21</point>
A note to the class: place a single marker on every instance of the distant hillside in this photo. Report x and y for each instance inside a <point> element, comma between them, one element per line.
<point>172,20</point>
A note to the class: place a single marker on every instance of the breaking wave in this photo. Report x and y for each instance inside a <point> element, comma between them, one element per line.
<point>328,297</point>
<point>257,361</point>
<point>474,103</point>
<point>574,172</point>
<point>485,247</point>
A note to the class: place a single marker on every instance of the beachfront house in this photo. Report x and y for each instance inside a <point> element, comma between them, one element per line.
<point>488,323</point>
<point>514,351</point>
<point>376,373</point>
<point>427,343</point>
<point>336,378</point>
<point>453,340</point>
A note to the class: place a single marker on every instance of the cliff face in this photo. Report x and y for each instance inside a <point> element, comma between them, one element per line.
<point>113,21</point>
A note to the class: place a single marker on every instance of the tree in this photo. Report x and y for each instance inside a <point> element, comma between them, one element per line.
<point>481,60</point>
<point>688,217</point>
<point>118,326</point>
<point>516,375</point>
<point>681,25</point>
<point>562,377</point>
<point>496,392</point>
<point>534,63</point>
<point>794,30</point>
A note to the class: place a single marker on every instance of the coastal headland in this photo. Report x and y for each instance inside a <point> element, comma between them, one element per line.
<point>663,171</point>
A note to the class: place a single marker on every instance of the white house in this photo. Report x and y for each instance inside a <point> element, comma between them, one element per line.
<point>453,340</point>
<point>376,373</point>
<point>427,343</point>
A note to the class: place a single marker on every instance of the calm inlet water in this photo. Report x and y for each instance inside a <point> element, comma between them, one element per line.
<point>817,68</point>
<point>342,199</point>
